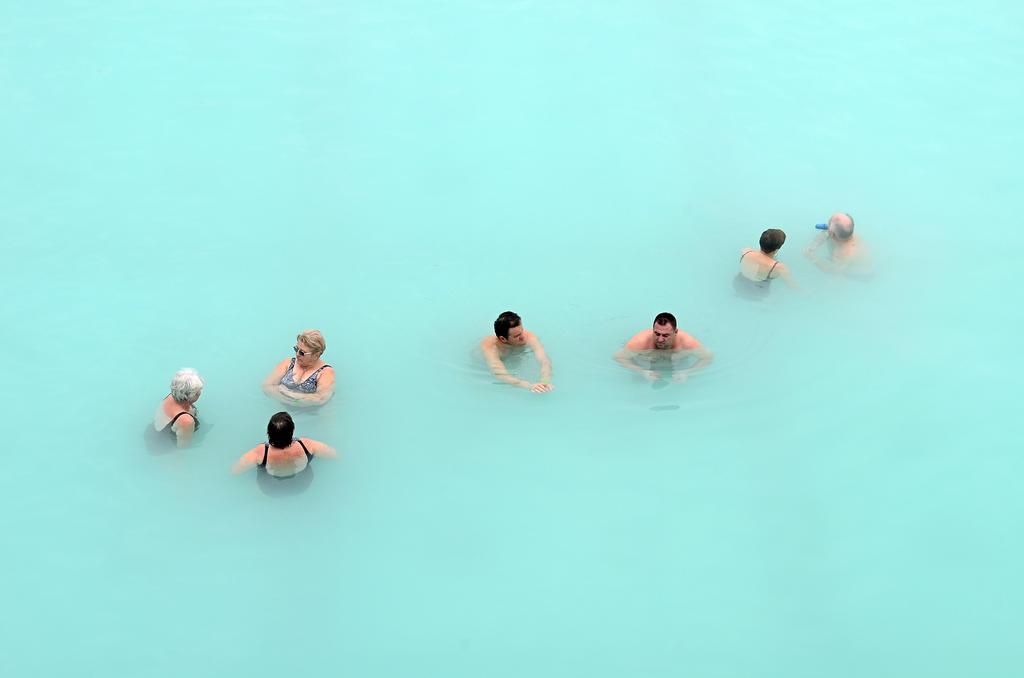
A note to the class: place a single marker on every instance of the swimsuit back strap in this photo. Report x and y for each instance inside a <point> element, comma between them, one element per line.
<point>309,456</point>
<point>768,277</point>
<point>745,254</point>
<point>266,446</point>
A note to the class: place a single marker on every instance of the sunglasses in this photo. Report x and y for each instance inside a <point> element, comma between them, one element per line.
<point>299,352</point>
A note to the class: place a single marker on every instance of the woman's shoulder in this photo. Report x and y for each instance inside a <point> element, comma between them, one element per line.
<point>184,420</point>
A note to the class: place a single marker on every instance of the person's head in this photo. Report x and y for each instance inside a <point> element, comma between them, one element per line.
<point>280,430</point>
<point>309,346</point>
<point>509,329</point>
<point>186,386</point>
<point>664,330</point>
<point>771,240</point>
<point>840,226</point>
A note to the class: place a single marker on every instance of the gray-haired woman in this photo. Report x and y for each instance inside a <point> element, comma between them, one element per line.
<point>177,412</point>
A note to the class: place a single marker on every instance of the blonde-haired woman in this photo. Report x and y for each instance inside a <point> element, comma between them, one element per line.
<point>304,379</point>
<point>177,412</point>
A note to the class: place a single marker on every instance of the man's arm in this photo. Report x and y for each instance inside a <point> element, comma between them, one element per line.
<point>816,243</point>
<point>704,358</point>
<point>498,368</point>
<point>830,265</point>
<point>624,357</point>
<point>692,347</point>
<point>542,358</point>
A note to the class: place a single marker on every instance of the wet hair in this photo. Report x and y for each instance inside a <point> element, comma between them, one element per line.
<point>186,385</point>
<point>841,231</point>
<point>772,239</point>
<point>313,339</point>
<point>665,319</point>
<point>280,430</point>
<point>505,322</point>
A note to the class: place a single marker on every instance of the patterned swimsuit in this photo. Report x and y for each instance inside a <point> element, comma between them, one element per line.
<point>308,385</point>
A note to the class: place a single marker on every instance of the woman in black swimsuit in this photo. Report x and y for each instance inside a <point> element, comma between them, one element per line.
<point>758,269</point>
<point>283,455</point>
<point>177,413</point>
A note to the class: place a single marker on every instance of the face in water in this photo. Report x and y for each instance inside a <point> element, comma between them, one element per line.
<point>516,336</point>
<point>664,336</point>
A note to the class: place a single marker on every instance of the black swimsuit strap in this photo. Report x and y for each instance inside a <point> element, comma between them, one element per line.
<point>768,277</point>
<point>309,457</point>
<point>266,447</point>
<point>745,254</point>
<point>181,413</point>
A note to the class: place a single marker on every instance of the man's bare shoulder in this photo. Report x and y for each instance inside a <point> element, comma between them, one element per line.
<point>489,343</point>
<point>641,341</point>
<point>685,342</point>
<point>530,337</point>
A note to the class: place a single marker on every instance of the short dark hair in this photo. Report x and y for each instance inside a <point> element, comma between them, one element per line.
<point>505,322</point>
<point>280,430</point>
<point>772,239</point>
<point>665,319</point>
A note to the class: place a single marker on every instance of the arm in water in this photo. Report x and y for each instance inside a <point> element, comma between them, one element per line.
<point>501,373</point>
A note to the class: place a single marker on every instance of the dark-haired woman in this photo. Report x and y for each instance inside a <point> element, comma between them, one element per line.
<point>283,455</point>
<point>759,268</point>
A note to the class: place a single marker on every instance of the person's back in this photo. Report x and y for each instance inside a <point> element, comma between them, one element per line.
<point>283,455</point>
<point>287,461</point>
<point>759,268</point>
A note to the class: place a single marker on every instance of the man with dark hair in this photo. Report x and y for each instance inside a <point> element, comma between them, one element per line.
<point>846,253</point>
<point>512,339</point>
<point>664,342</point>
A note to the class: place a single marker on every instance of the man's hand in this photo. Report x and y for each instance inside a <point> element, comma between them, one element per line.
<point>542,387</point>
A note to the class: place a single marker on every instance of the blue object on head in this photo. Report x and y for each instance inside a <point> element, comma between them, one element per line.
<point>821,227</point>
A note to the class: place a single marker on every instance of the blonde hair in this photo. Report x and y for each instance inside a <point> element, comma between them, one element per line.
<point>313,339</point>
<point>186,385</point>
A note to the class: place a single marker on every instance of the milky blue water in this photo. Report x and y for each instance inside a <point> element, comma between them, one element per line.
<point>193,183</point>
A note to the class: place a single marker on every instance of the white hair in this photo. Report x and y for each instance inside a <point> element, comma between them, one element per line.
<point>186,385</point>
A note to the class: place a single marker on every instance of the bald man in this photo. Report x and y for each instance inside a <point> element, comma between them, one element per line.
<point>846,253</point>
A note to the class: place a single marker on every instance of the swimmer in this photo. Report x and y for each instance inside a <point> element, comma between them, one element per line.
<point>664,341</point>
<point>283,456</point>
<point>846,253</point>
<point>758,269</point>
<point>177,413</point>
<point>304,379</point>
<point>511,338</point>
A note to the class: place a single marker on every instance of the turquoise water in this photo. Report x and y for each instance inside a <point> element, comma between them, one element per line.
<point>192,183</point>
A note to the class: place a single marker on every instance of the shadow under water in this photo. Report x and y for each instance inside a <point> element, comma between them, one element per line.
<point>272,486</point>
